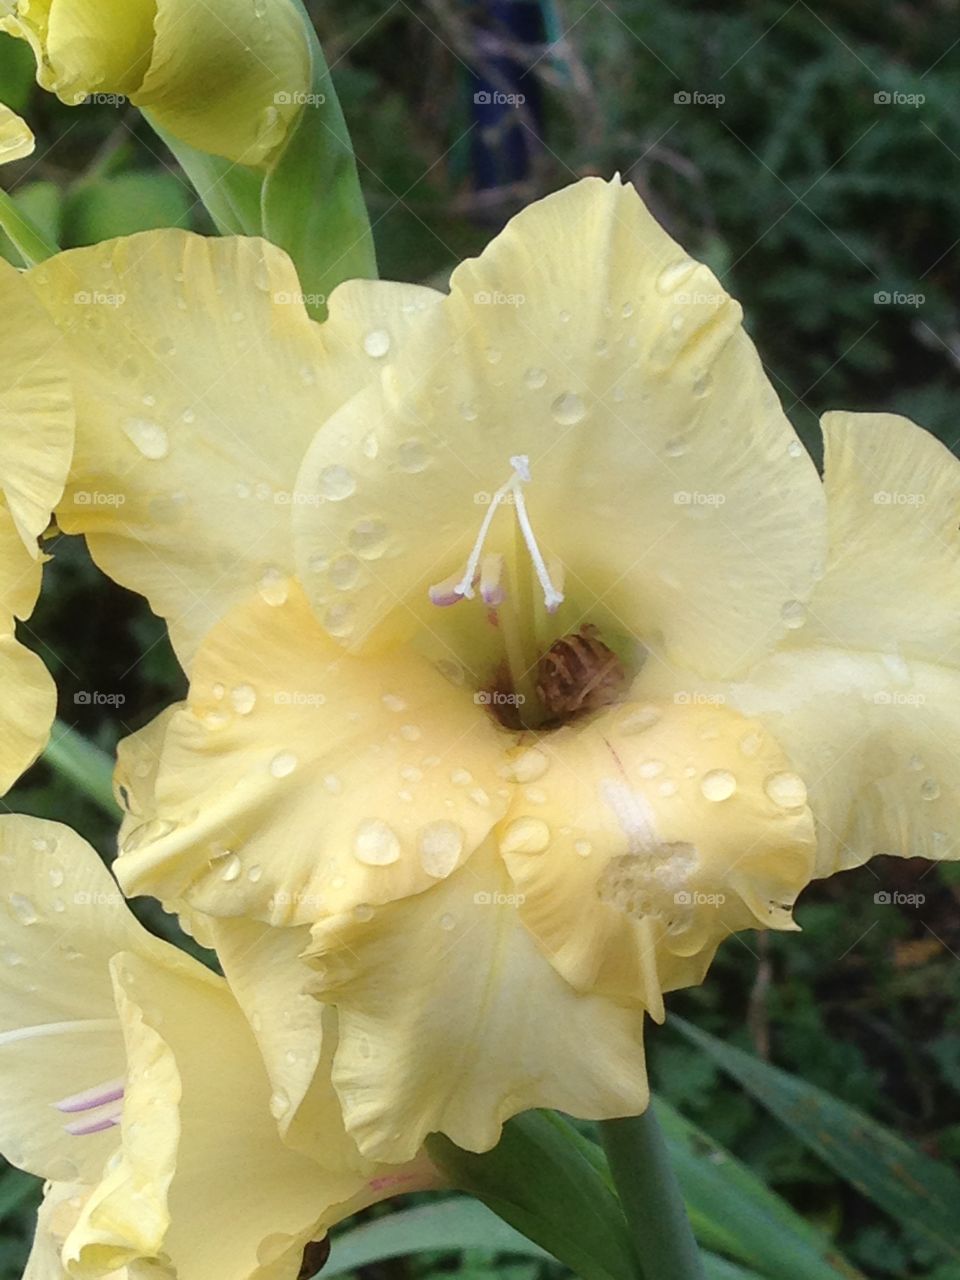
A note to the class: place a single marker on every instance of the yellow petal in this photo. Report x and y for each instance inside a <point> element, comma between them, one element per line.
<point>651,833</point>
<point>200,1145</point>
<point>664,474</point>
<point>253,61</point>
<point>892,583</point>
<point>864,700</point>
<point>299,780</point>
<point>451,1021</point>
<point>36,413</point>
<point>270,982</point>
<point>28,702</point>
<point>16,137</point>
<point>200,380</point>
<point>56,1217</point>
<point>63,918</point>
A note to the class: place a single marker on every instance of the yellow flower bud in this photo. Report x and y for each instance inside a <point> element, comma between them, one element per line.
<point>226,78</point>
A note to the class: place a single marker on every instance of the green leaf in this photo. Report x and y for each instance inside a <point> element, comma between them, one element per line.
<point>123,205</point>
<point>312,203</point>
<point>308,201</point>
<point>229,192</point>
<point>16,1188</point>
<point>40,204</point>
<point>543,1179</point>
<point>919,1193</point>
<point>446,1226</point>
<point>732,1211</point>
<point>89,768</point>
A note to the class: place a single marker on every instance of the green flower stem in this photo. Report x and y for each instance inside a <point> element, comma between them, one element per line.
<point>28,239</point>
<point>651,1199</point>
<point>87,767</point>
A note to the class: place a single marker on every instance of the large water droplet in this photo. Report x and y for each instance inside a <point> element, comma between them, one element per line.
<point>273,588</point>
<point>793,614</point>
<point>786,790</point>
<point>568,409</point>
<point>718,784</point>
<point>23,909</point>
<point>282,765</point>
<point>336,483</point>
<point>376,343</point>
<point>375,844</point>
<point>149,437</point>
<point>528,766</point>
<point>368,538</point>
<point>345,572</point>
<point>244,699</point>
<point>526,835</point>
<point>412,457</point>
<point>439,845</point>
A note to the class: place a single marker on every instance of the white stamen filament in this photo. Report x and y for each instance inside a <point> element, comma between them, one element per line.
<point>491,574</point>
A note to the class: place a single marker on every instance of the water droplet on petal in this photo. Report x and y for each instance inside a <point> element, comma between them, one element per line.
<point>273,588</point>
<point>718,784</point>
<point>23,909</point>
<point>793,614</point>
<point>412,457</point>
<point>568,409</point>
<point>583,847</point>
<point>651,768</point>
<point>149,437</point>
<point>368,538</point>
<point>671,278</point>
<point>230,867</point>
<point>751,743</point>
<point>535,378</point>
<point>363,912</point>
<point>336,483</point>
<point>786,790</point>
<point>339,619</point>
<point>377,343</point>
<point>56,876</point>
<point>393,702</point>
<point>344,572</point>
<point>375,844</point>
<point>525,835</point>
<point>930,790</point>
<point>244,699</point>
<point>528,766</point>
<point>279,1104</point>
<point>282,765</point>
<point>439,845</point>
<point>447,922</point>
<point>332,784</point>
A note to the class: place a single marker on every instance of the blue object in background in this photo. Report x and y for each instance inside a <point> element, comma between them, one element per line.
<point>506,100</point>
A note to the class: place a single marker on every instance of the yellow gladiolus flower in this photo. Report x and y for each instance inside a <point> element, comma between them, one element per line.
<point>227,79</point>
<point>36,442</point>
<point>16,139</point>
<point>131,1081</point>
<point>503,851</point>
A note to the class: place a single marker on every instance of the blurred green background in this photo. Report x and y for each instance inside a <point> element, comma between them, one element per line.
<point>812,156</point>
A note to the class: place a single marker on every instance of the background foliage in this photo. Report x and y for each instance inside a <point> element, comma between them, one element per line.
<point>824,189</point>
